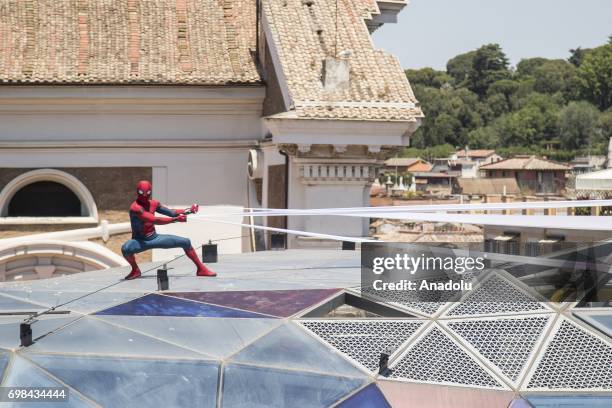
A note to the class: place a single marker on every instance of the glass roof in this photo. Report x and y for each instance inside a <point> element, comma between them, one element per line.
<point>238,341</point>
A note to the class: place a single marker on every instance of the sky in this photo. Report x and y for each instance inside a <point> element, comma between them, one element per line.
<point>430,32</point>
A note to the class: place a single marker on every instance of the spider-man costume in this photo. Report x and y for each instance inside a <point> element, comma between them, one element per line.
<point>144,237</point>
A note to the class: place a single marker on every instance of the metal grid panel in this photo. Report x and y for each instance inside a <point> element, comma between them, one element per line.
<point>495,295</point>
<point>508,343</point>
<point>364,340</point>
<point>435,358</point>
<point>575,360</point>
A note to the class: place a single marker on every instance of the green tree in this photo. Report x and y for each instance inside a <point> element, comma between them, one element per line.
<point>429,77</point>
<point>605,125</point>
<point>595,76</point>
<point>554,76</point>
<point>490,65</point>
<point>533,123</point>
<point>577,56</point>
<point>484,138</point>
<point>460,67</point>
<point>526,67</point>
<point>579,125</point>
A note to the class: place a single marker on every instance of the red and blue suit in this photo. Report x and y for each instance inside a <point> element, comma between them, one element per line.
<point>144,236</point>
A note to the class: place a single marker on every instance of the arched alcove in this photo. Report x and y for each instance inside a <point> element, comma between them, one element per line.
<point>54,195</point>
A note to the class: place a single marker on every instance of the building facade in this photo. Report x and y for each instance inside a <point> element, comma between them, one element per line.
<point>534,175</point>
<point>236,103</point>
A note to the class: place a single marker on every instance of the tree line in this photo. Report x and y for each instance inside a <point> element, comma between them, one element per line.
<point>559,108</point>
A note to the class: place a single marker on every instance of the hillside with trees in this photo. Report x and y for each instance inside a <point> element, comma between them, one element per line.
<point>558,108</point>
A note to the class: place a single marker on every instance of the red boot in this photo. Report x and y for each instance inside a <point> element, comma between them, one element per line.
<point>202,269</point>
<point>135,272</point>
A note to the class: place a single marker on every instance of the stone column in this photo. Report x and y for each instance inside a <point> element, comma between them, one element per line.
<point>328,176</point>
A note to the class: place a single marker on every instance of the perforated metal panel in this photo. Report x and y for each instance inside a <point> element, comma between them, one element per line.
<point>364,340</point>
<point>494,296</point>
<point>574,359</point>
<point>436,358</point>
<point>508,343</point>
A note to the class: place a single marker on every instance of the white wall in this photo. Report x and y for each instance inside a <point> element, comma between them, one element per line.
<point>200,231</point>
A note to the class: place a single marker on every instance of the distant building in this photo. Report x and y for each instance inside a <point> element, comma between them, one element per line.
<point>481,157</point>
<point>469,161</point>
<point>587,164</point>
<point>534,175</point>
<point>407,164</point>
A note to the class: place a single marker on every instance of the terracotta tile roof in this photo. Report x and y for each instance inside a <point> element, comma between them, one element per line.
<point>305,33</point>
<point>483,186</point>
<point>525,163</point>
<point>402,161</point>
<point>204,42</point>
<point>476,153</point>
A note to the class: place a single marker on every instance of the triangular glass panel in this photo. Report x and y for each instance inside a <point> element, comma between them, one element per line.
<point>282,303</point>
<point>290,347</point>
<point>369,397</point>
<point>9,328</point>
<point>9,304</point>
<point>90,335</point>
<point>215,337</point>
<point>261,387</point>
<point>570,401</point>
<point>506,342</point>
<point>159,305</point>
<point>519,402</point>
<point>4,359</point>
<point>22,373</point>
<point>88,304</point>
<point>123,382</point>
<point>435,358</point>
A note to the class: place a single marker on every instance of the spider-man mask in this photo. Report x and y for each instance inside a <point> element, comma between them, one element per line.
<point>144,191</point>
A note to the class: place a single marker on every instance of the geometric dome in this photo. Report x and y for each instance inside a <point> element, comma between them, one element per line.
<point>254,336</point>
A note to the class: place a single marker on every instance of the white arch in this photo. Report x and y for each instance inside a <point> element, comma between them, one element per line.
<point>47,258</point>
<point>89,210</point>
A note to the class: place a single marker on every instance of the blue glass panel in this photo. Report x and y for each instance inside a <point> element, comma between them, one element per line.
<point>116,382</point>
<point>519,402</point>
<point>292,348</point>
<point>91,303</point>
<point>93,336</point>
<point>210,336</point>
<point>158,305</point>
<point>570,401</point>
<point>369,397</point>
<point>257,387</point>
<point>23,373</point>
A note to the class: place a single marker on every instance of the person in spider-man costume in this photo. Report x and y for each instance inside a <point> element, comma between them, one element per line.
<point>144,237</point>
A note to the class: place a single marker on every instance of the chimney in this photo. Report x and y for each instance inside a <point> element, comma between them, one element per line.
<point>335,75</point>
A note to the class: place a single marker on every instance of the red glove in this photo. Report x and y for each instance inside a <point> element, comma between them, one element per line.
<point>194,208</point>
<point>180,218</point>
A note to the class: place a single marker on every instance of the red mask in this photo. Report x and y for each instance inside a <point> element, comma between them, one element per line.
<point>144,191</point>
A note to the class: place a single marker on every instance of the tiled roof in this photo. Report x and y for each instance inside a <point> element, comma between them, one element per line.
<point>482,186</point>
<point>525,163</point>
<point>305,33</point>
<point>404,161</point>
<point>475,153</point>
<point>205,42</point>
